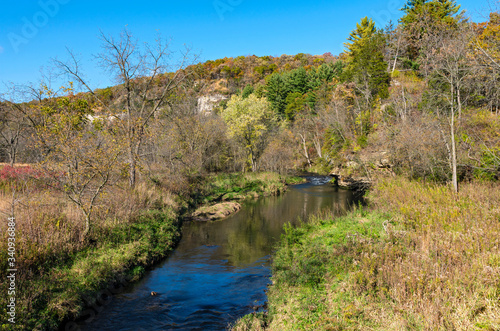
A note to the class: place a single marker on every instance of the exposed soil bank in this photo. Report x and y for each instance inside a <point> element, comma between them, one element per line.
<point>217,211</point>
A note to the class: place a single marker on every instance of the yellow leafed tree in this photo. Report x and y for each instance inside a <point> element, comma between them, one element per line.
<point>249,121</point>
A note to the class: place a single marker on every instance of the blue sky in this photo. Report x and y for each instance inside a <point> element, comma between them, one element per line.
<point>33,32</point>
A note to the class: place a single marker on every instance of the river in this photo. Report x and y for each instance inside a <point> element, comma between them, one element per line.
<point>220,270</point>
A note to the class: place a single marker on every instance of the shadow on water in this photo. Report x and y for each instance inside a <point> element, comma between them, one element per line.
<point>220,270</point>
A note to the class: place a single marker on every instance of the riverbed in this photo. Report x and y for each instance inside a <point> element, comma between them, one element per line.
<point>220,269</point>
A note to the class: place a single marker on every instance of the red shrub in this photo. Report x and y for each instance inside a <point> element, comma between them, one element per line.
<point>13,173</point>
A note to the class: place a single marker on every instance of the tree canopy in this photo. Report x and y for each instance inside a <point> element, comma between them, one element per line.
<point>248,122</point>
<point>427,17</point>
<point>365,60</point>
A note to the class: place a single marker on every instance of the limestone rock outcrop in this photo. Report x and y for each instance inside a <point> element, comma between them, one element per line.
<point>207,103</point>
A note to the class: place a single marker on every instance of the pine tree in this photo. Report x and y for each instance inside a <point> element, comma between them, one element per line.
<point>277,91</point>
<point>438,10</point>
<point>249,89</point>
<point>297,81</point>
<point>423,18</point>
<point>364,31</point>
<point>365,61</point>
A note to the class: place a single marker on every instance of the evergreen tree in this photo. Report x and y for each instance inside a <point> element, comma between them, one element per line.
<point>289,92</point>
<point>297,81</point>
<point>427,17</point>
<point>295,104</point>
<point>366,65</point>
<point>364,31</point>
<point>327,72</point>
<point>313,78</point>
<point>277,91</point>
<point>247,91</point>
<point>438,10</point>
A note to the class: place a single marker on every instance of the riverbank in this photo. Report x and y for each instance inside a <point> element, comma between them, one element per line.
<point>420,257</point>
<point>217,198</point>
<point>60,280</point>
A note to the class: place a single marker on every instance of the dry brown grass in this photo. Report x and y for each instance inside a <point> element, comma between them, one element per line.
<point>45,224</point>
<point>424,259</point>
<point>17,164</point>
<point>439,268</point>
<point>49,227</point>
<point>55,266</point>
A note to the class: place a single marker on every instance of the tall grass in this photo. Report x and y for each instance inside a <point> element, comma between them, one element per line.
<point>423,258</point>
<point>223,186</point>
<point>59,274</point>
<point>441,261</point>
<point>131,230</point>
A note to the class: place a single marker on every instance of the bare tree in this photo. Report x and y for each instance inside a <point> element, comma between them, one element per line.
<point>446,59</point>
<point>11,128</point>
<point>191,143</point>
<point>309,132</point>
<point>394,47</point>
<point>16,126</point>
<point>80,154</point>
<point>145,85</point>
<point>279,155</point>
<point>487,56</point>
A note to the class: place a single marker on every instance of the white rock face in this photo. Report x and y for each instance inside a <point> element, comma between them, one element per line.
<point>207,103</point>
<point>106,118</point>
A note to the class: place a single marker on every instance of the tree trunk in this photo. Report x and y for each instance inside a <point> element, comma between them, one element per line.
<point>459,104</point>
<point>453,147</point>
<point>448,149</point>
<point>396,56</point>
<point>404,102</point>
<point>254,165</point>
<point>12,157</point>
<point>306,153</point>
<point>317,145</point>
<point>86,230</point>
<point>132,166</point>
<point>453,154</point>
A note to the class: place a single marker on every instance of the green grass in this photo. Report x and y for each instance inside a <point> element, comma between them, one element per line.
<point>59,277</point>
<point>237,186</point>
<point>311,264</point>
<point>47,300</point>
<point>422,258</point>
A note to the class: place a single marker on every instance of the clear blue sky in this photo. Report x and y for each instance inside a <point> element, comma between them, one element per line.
<point>32,32</point>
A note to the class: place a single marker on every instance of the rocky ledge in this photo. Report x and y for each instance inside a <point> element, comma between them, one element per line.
<point>350,182</point>
<point>357,175</point>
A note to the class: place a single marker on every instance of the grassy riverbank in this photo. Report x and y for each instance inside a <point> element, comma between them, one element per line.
<point>59,276</point>
<point>421,258</point>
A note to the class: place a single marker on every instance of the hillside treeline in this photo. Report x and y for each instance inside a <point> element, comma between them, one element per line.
<point>419,98</point>
<point>422,92</point>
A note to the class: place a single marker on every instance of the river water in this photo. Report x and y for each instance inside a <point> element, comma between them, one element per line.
<point>220,270</point>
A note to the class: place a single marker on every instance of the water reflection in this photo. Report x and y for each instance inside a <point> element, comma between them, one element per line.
<point>220,269</point>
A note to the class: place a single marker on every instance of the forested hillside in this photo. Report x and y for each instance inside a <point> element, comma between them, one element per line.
<point>418,98</point>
